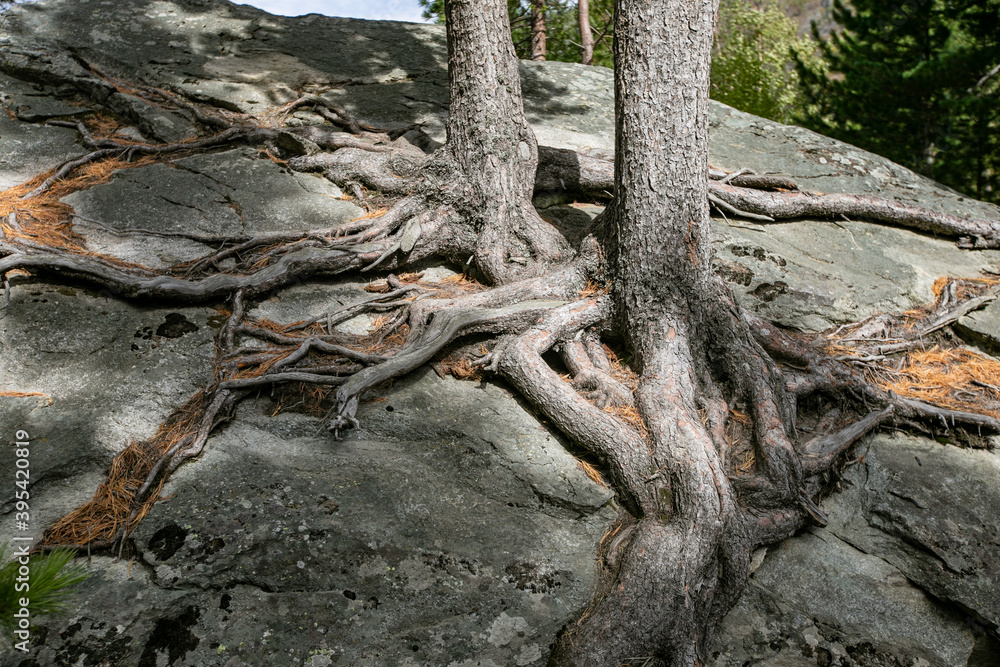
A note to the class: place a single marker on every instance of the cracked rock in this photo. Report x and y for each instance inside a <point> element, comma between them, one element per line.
<point>453,528</point>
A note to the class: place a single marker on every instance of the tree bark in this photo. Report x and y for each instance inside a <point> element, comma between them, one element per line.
<point>685,559</point>
<point>679,558</point>
<point>538,30</point>
<point>491,144</point>
<point>658,239</point>
<point>586,35</point>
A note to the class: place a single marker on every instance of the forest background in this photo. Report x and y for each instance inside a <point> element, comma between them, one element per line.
<point>916,81</point>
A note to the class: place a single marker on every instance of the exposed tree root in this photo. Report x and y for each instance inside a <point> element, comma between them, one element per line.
<point>615,444</point>
<point>698,437</point>
<point>443,329</point>
<point>767,198</point>
<point>437,221</point>
<point>970,233</point>
<point>712,517</point>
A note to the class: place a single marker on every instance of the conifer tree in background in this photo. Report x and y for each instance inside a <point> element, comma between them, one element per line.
<point>970,150</point>
<point>586,32</point>
<point>752,69</point>
<point>538,30</point>
<point>560,23</point>
<point>906,81</point>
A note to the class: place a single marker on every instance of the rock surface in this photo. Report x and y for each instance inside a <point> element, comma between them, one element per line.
<point>453,529</point>
<point>925,508</point>
<point>26,148</point>
<point>423,544</point>
<point>231,192</point>
<point>983,327</point>
<point>106,376</point>
<point>905,574</point>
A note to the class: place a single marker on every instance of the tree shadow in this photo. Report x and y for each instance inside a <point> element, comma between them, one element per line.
<point>387,73</point>
<point>239,56</point>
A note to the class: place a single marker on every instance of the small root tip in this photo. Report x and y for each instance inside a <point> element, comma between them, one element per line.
<point>810,507</point>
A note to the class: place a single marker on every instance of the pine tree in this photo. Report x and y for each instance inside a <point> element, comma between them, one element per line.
<point>752,59</point>
<point>689,518</point>
<point>901,80</point>
<point>563,41</point>
<point>969,154</point>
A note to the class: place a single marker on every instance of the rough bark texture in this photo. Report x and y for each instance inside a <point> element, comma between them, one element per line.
<point>538,30</point>
<point>490,141</point>
<point>586,36</point>
<point>685,559</point>
<point>679,558</point>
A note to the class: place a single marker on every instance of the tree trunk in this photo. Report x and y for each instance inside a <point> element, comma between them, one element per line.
<point>492,145</point>
<point>659,233</point>
<point>586,35</point>
<point>683,563</point>
<point>538,29</point>
<point>679,559</point>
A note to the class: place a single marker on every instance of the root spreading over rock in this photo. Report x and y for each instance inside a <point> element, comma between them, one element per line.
<point>696,427</point>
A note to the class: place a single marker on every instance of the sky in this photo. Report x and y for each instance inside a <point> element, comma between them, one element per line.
<point>397,10</point>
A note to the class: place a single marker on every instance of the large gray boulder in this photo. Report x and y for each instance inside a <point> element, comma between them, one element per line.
<point>803,274</point>
<point>454,528</point>
<point>905,573</point>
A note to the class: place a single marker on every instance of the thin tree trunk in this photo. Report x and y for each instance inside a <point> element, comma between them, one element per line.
<point>586,35</point>
<point>538,30</point>
<point>492,144</point>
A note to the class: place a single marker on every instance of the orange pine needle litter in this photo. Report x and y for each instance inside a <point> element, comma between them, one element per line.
<point>951,378</point>
<point>591,472</point>
<point>631,416</point>
<point>957,379</point>
<point>45,220</point>
<point>460,369</point>
<point>110,507</point>
<point>26,394</point>
<point>377,213</point>
<point>464,282</point>
<point>593,289</point>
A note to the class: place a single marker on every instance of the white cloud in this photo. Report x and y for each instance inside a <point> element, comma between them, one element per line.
<point>395,10</point>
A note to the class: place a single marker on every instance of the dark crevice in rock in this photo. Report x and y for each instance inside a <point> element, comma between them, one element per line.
<point>172,636</point>
<point>179,203</point>
<point>167,541</point>
<point>578,511</point>
<point>175,326</point>
<point>188,168</point>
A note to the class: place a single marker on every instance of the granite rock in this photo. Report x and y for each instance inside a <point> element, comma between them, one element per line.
<point>454,528</point>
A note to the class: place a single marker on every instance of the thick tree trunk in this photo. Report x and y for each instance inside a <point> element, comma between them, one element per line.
<point>538,30</point>
<point>492,145</point>
<point>685,561</point>
<point>658,239</point>
<point>586,35</point>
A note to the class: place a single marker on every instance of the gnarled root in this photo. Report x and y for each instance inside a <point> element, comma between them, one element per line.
<point>678,562</point>
<point>617,446</point>
<point>971,233</point>
<point>591,370</point>
<point>767,198</point>
<point>434,323</point>
<point>676,555</point>
<point>856,364</point>
<point>713,381</point>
